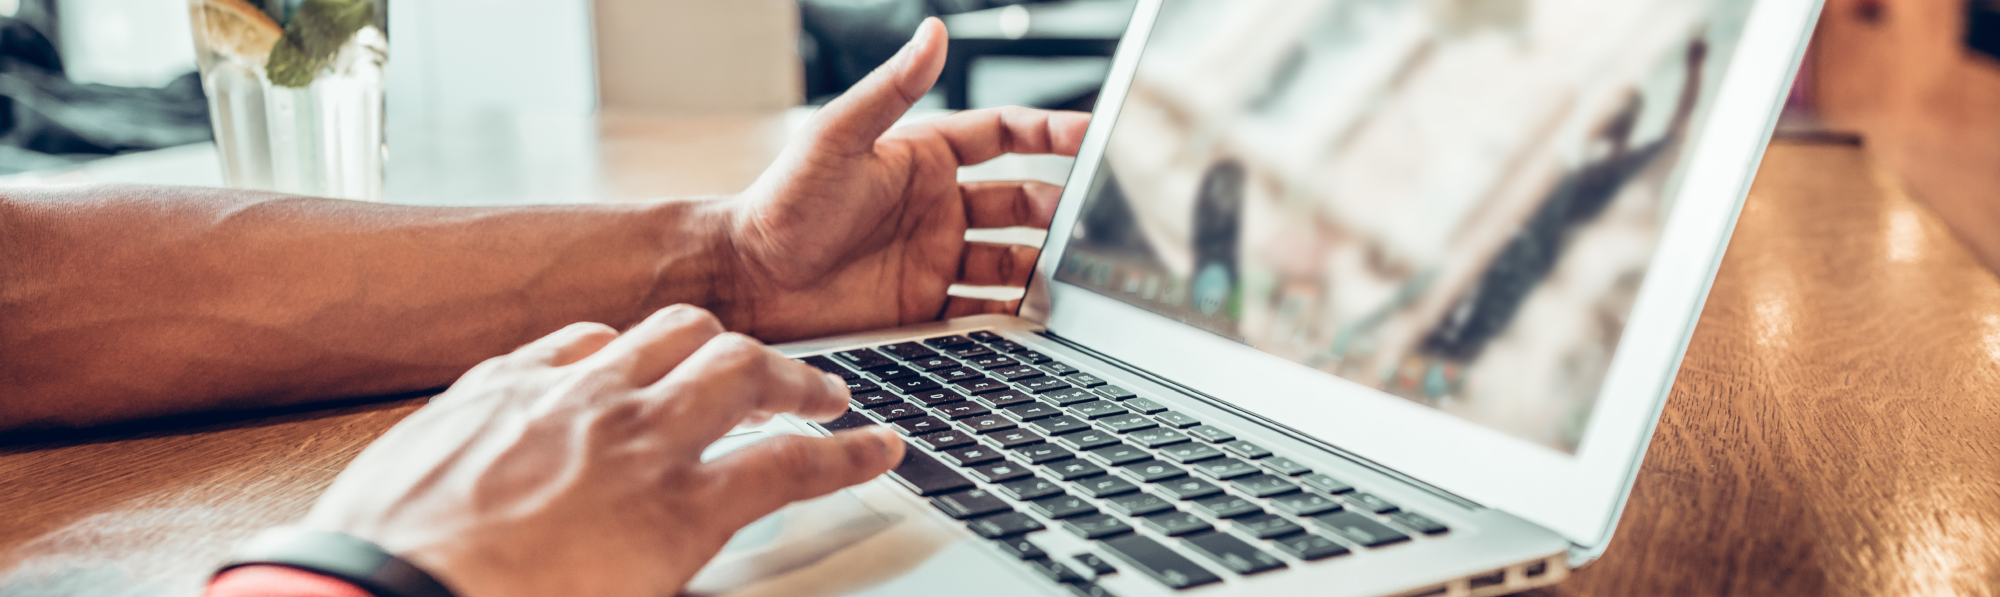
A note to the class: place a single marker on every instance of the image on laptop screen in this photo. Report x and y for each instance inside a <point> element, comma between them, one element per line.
<point>1453,201</point>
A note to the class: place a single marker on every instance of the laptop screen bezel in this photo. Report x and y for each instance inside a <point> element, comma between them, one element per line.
<point>1579,496</point>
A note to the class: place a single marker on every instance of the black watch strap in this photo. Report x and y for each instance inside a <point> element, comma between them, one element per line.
<point>341,556</point>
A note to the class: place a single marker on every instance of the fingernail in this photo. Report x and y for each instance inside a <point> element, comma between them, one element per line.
<point>886,441</point>
<point>835,384</point>
<point>909,51</point>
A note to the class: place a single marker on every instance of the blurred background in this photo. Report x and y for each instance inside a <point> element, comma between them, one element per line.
<point>1915,81</point>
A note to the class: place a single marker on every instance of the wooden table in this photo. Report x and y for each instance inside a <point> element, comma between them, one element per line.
<point>1834,431</point>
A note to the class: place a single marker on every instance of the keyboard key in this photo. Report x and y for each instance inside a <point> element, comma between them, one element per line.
<point>1117,454</point>
<point>935,398</point>
<point>1306,503</point>
<point>1011,438</point>
<point>1371,503</point>
<point>1086,380</point>
<point>1211,433</point>
<point>1116,393</point>
<point>1088,440</point>
<point>1266,526</point>
<point>1104,486</point>
<point>1163,565</point>
<point>862,358</point>
<point>970,455</point>
<point>1087,589</point>
<point>1058,507</point>
<point>1006,398</point>
<point>825,364</point>
<point>998,471</point>
<point>935,363</point>
<point>968,352</point>
<point>907,350</point>
<point>1006,346</point>
<point>1225,506</point>
<point>1326,483</point>
<point>947,341</point>
<point>1262,485</point>
<point>984,336</point>
<point>857,386</point>
<point>1032,410</point>
<point>1223,469</point>
<point>1144,405</point>
<point>980,385</point>
<point>1004,525</point>
<point>1021,548</point>
<point>1153,471</point>
<point>1128,422</point>
<point>1042,453</point>
<point>1055,571</point>
<point>873,399</point>
<point>1233,554</point>
<point>1069,396</point>
<point>1096,565</point>
<point>1058,369</point>
<point>922,425</point>
<point>1246,449</point>
<point>1358,528</point>
<point>944,440</point>
<point>1059,425</point>
<point>1285,466</point>
<point>1176,523</point>
<point>913,385</point>
<point>992,361</point>
<point>1190,452</point>
<point>1096,526</point>
<point>1189,488</point>
<point>1030,356</point>
<point>987,424</point>
<point>1043,385</point>
<point>851,420</point>
<point>1178,420</point>
<point>1017,373</point>
<point>970,504</point>
<point>1072,469</point>
<point>888,374</point>
<point>1028,488</point>
<point>1097,409</point>
<point>1419,523</point>
<point>1309,546</point>
<point>896,411</point>
<point>960,410</point>
<point>956,374</point>
<point>1157,437</point>
<point>1138,504</point>
<point>925,475</point>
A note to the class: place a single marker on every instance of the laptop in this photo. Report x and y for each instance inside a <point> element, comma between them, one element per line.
<point>1343,297</point>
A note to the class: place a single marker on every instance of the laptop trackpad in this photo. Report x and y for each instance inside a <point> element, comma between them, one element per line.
<point>861,540</point>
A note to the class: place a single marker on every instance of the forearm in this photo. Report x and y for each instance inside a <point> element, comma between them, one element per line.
<point>128,302</point>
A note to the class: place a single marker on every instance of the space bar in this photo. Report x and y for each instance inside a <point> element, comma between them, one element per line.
<point>925,475</point>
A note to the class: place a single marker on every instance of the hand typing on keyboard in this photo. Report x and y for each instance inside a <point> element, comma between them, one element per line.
<point>573,466</point>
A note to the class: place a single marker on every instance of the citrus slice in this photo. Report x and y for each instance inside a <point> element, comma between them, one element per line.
<point>234,29</point>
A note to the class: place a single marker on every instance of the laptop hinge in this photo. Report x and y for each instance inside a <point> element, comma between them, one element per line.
<point>1280,427</point>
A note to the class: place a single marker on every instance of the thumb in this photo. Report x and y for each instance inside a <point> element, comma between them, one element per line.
<point>758,480</point>
<point>851,123</point>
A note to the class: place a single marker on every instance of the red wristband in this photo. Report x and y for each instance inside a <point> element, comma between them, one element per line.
<point>279,581</point>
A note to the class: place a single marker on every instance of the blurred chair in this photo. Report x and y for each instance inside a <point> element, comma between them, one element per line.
<point>698,55</point>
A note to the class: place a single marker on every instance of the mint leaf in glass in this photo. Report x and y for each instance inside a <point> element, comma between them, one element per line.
<point>316,31</point>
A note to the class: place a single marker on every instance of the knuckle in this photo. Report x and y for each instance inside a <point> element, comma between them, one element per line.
<point>738,354</point>
<point>689,317</point>
<point>794,456</point>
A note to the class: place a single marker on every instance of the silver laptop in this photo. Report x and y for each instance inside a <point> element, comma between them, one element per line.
<point>1344,297</point>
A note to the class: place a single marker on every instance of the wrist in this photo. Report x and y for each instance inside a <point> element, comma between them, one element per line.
<point>695,259</point>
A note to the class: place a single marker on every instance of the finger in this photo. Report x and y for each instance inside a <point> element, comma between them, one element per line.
<point>758,480</point>
<point>1005,204</point>
<point>851,123</point>
<point>991,264</point>
<point>734,377</point>
<point>660,343</point>
<point>979,135</point>
<point>959,306</point>
<point>568,345</point>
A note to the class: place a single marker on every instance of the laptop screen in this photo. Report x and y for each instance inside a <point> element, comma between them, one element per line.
<point>1454,202</point>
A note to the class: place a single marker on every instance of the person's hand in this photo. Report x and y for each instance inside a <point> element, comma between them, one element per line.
<point>572,466</point>
<point>861,227</point>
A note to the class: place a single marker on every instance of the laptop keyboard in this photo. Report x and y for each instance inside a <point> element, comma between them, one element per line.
<point>1016,443</point>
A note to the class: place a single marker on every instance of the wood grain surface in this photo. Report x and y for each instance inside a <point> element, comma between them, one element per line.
<point>1833,431</point>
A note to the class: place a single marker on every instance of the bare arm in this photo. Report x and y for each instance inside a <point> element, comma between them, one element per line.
<point>122,302</point>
